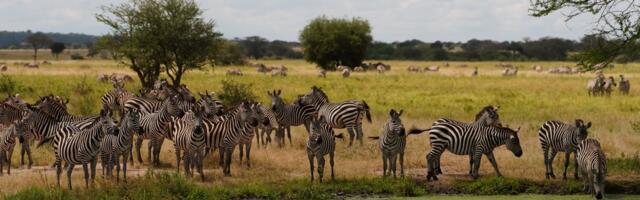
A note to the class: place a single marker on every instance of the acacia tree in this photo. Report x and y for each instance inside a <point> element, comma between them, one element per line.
<point>57,48</point>
<point>331,41</point>
<point>37,41</point>
<point>617,22</point>
<point>151,36</point>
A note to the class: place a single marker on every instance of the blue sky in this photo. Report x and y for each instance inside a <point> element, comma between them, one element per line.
<point>391,20</point>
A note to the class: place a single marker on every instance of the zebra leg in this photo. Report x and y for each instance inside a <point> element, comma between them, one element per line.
<point>199,157</point>
<point>178,160</point>
<point>258,136</point>
<point>402,164</point>
<point>551,158</point>
<point>58,172</point>
<point>156,152</point>
<point>351,135</point>
<point>359,132</point>
<point>9,155</point>
<point>248,148</point>
<point>393,163</point>
<point>384,165</point>
<point>69,171</point>
<point>431,158</point>
<point>310,164</point>
<point>437,168</point>
<point>117,163</point>
<point>567,156</point>
<point>2,162</point>
<point>545,151</point>
<point>22,152</point>
<point>575,162</point>
<point>476,165</point>
<point>331,162</point>
<point>585,181</point>
<point>470,164</point>
<point>320,167</point>
<point>494,163</point>
<point>241,151</point>
<point>289,134</point>
<point>94,163</point>
<point>221,161</point>
<point>124,166</point>
<point>150,147</point>
<point>85,168</point>
<point>138,146</point>
<point>187,164</point>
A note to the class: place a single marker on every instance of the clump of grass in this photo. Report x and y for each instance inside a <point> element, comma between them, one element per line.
<point>83,90</point>
<point>625,163</point>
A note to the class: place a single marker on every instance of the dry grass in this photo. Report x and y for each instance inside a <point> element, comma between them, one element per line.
<point>526,100</point>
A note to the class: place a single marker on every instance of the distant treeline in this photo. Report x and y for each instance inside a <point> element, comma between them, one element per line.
<point>16,39</point>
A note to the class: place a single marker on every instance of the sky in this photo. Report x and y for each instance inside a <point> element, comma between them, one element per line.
<point>391,20</point>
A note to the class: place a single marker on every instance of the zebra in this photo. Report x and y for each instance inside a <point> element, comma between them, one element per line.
<point>393,141</point>
<point>116,98</point>
<point>624,85</point>
<point>114,146</point>
<point>80,147</point>
<point>225,134</point>
<point>467,139</point>
<point>608,85</point>
<point>155,126</point>
<point>247,138</point>
<point>347,114</point>
<point>556,136</point>
<point>595,86</point>
<point>289,115</point>
<point>58,109</point>
<point>8,142</point>
<point>212,107</point>
<point>593,166</point>
<point>190,138</point>
<point>264,130</point>
<point>320,143</point>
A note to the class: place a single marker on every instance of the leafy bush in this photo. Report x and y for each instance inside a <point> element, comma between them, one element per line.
<point>233,93</point>
<point>77,56</point>
<point>8,86</point>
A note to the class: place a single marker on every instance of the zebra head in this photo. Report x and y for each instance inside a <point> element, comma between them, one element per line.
<point>247,114</point>
<point>173,107</point>
<point>488,116</point>
<point>582,129</point>
<point>106,123</point>
<point>513,142</point>
<point>261,116</point>
<point>209,105</point>
<point>395,122</point>
<point>315,97</point>
<point>131,121</point>
<point>598,182</point>
<point>319,127</point>
<point>276,101</point>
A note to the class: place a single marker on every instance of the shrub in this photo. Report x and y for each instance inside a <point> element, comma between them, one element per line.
<point>8,86</point>
<point>77,56</point>
<point>233,93</point>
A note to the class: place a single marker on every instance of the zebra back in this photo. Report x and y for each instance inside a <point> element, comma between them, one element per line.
<point>464,139</point>
<point>562,137</point>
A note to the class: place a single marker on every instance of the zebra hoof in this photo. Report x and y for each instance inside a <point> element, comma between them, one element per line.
<point>553,176</point>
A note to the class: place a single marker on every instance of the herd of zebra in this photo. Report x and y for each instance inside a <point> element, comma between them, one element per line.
<point>198,126</point>
<point>600,86</point>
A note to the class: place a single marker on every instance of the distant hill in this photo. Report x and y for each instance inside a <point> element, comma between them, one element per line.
<point>15,39</point>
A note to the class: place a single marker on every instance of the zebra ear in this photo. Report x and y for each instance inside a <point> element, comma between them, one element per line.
<point>518,129</point>
<point>589,125</point>
<point>392,112</point>
<point>279,92</point>
<point>401,111</point>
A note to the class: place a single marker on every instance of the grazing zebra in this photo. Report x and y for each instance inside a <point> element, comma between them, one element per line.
<point>225,134</point>
<point>320,143</point>
<point>468,139</point>
<point>393,141</point>
<point>114,146</point>
<point>624,85</point>
<point>8,142</point>
<point>81,147</point>
<point>247,138</point>
<point>156,125</point>
<point>190,138</point>
<point>347,114</point>
<point>264,130</point>
<point>608,85</point>
<point>555,137</point>
<point>116,98</point>
<point>593,165</point>
<point>289,114</point>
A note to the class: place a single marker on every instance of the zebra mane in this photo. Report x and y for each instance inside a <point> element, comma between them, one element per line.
<point>320,93</point>
<point>487,109</point>
<point>43,113</point>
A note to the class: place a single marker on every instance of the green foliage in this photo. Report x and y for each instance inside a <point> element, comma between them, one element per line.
<point>229,53</point>
<point>145,38</point>
<point>57,48</point>
<point>234,93</point>
<point>330,41</point>
<point>8,86</point>
<point>38,40</point>
<point>255,46</point>
<point>624,163</point>
<point>86,103</point>
<point>503,185</point>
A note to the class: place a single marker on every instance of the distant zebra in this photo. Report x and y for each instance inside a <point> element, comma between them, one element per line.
<point>625,86</point>
<point>593,165</point>
<point>290,114</point>
<point>156,128</point>
<point>190,140</point>
<point>81,147</point>
<point>608,85</point>
<point>347,114</point>
<point>468,139</point>
<point>555,137</point>
<point>393,141</point>
<point>8,142</point>
<point>320,143</point>
<point>225,134</point>
<point>113,147</point>
<point>595,86</point>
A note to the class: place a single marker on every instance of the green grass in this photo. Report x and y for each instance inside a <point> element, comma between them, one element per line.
<point>517,197</point>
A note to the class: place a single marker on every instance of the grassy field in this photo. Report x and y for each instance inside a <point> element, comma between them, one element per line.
<point>526,101</point>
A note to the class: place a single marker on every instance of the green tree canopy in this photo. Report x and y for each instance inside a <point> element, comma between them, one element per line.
<point>151,36</point>
<point>331,41</point>
<point>57,48</point>
<point>37,41</point>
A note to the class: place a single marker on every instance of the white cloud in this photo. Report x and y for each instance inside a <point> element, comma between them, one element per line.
<point>428,20</point>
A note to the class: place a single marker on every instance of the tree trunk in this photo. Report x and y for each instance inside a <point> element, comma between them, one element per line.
<point>35,55</point>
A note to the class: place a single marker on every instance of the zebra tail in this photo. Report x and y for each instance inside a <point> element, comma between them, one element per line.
<point>417,130</point>
<point>366,110</point>
<point>374,137</point>
<point>43,141</point>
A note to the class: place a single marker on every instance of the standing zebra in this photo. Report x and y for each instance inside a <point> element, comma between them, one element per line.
<point>8,142</point>
<point>593,165</point>
<point>114,146</point>
<point>320,143</point>
<point>289,114</point>
<point>58,109</point>
<point>81,147</point>
<point>212,107</point>
<point>468,139</point>
<point>225,134</point>
<point>393,141</point>
<point>247,138</point>
<point>560,137</point>
<point>190,138</point>
<point>347,114</point>
<point>156,126</point>
<point>9,113</point>
<point>116,98</point>
<point>264,130</point>
<point>608,85</point>
<point>624,85</point>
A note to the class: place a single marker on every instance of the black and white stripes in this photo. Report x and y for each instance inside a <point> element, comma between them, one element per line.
<point>290,114</point>
<point>113,147</point>
<point>593,165</point>
<point>555,137</point>
<point>320,143</point>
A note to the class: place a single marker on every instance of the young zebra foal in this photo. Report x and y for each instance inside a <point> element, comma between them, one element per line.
<point>560,137</point>
<point>114,146</point>
<point>393,141</point>
<point>593,165</point>
<point>8,142</point>
<point>320,143</point>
